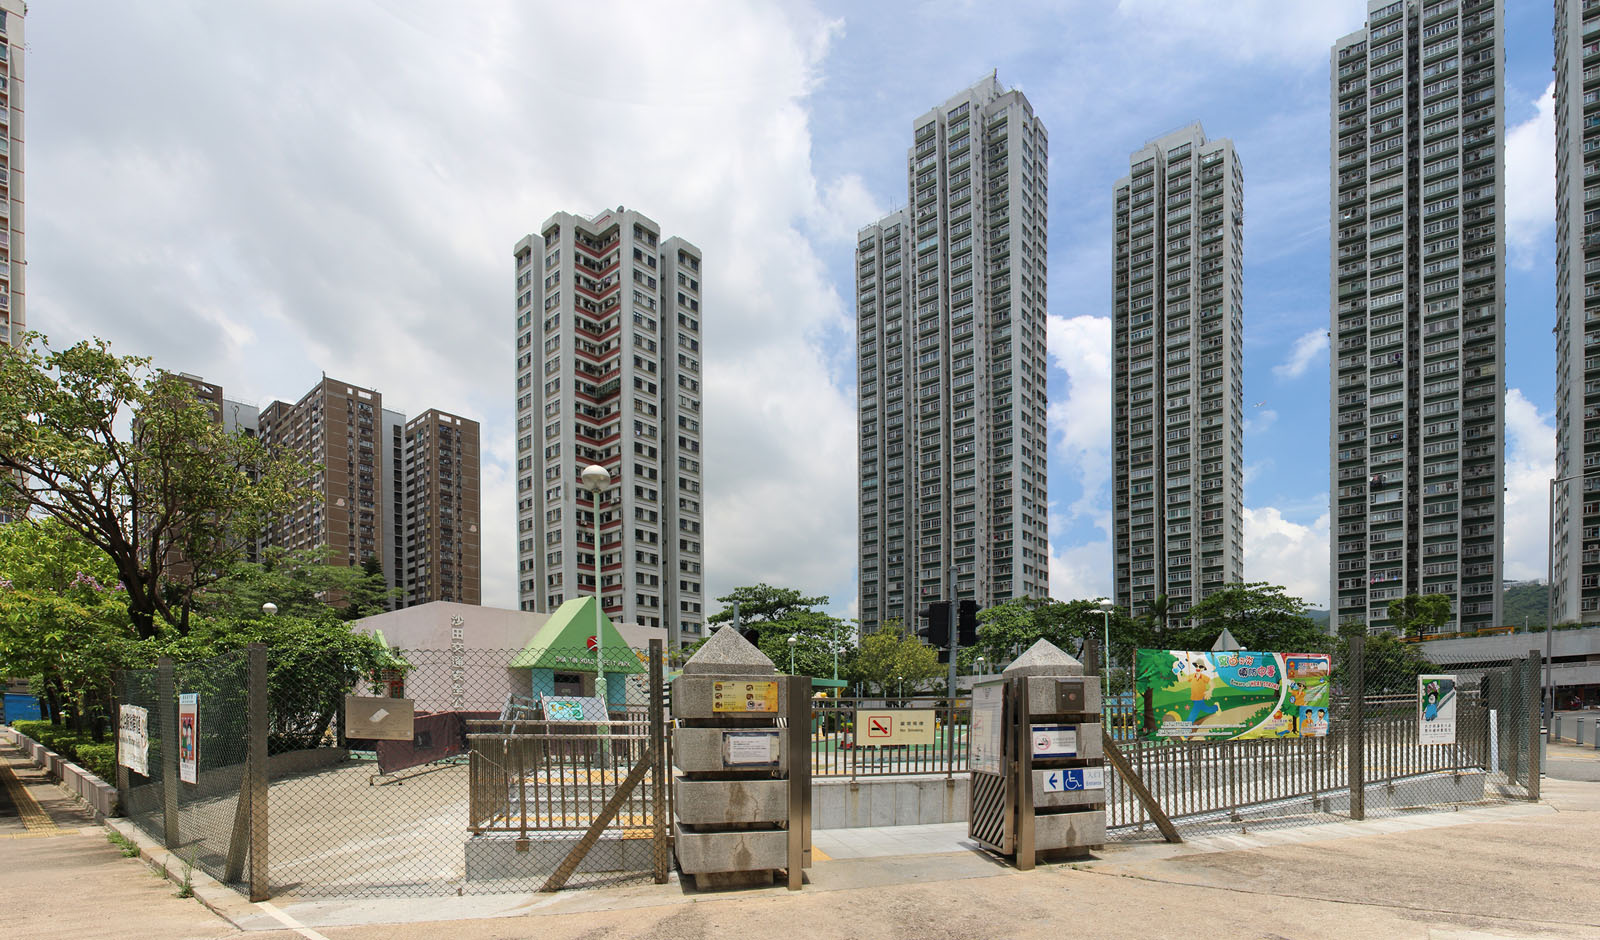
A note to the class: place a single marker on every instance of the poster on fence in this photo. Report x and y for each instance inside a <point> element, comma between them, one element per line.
<point>188,736</point>
<point>987,728</point>
<point>133,739</point>
<point>1436,709</point>
<point>1234,694</point>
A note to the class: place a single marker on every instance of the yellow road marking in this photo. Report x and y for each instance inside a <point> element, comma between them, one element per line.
<point>817,855</point>
<point>34,818</point>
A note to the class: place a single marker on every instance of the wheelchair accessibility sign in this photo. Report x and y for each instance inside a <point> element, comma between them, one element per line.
<point>1075,778</point>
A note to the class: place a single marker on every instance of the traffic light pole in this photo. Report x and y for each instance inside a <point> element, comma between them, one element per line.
<point>955,639</point>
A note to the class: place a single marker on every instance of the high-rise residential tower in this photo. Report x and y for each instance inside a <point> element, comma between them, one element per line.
<point>1575,546</point>
<point>441,487</point>
<point>1418,311</point>
<point>1178,363</point>
<point>13,232</point>
<point>950,307</point>
<point>608,373</point>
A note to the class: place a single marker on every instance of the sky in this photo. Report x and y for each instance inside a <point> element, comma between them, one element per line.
<point>262,193</point>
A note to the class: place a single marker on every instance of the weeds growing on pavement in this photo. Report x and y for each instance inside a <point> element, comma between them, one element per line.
<point>128,848</point>
<point>186,888</point>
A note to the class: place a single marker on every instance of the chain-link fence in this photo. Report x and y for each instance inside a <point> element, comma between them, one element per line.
<point>520,772</point>
<point>189,797</point>
<point>1394,743</point>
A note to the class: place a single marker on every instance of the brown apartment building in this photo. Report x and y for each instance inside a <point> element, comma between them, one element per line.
<point>441,486</point>
<point>335,425</point>
<point>405,492</point>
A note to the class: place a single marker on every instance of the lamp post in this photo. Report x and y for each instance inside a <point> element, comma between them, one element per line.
<point>792,640</point>
<point>1106,607</point>
<point>596,478</point>
<point>977,666</point>
<point>269,608</point>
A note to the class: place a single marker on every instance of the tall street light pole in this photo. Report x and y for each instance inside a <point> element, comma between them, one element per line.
<point>595,479</point>
<point>1106,607</point>
<point>792,640</point>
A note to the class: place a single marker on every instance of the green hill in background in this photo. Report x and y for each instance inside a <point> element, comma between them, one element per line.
<point>1525,602</point>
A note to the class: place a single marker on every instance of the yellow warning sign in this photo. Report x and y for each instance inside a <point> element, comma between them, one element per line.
<point>744,696</point>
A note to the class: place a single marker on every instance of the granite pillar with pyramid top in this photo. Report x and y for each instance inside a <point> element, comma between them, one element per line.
<point>1060,755</point>
<point>735,796</point>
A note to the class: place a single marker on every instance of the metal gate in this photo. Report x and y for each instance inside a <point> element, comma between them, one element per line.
<point>991,815</point>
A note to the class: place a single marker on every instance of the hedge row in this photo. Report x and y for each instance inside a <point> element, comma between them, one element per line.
<point>77,746</point>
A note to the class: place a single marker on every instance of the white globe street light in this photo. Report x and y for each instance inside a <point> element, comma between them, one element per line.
<point>792,640</point>
<point>269,608</point>
<point>1106,607</point>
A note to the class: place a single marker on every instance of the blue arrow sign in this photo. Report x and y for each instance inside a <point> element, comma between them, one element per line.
<point>1075,778</point>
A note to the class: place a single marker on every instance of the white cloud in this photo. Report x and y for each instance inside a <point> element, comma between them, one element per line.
<point>258,214</point>
<point>1531,183</point>
<point>1258,420</point>
<point>1080,423</point>
<point>1080,571</point>
<point>1306,350</point>
<point>1530,465</point>
<point>1279,551</point>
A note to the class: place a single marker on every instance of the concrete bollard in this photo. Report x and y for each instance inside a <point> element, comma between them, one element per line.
<point>732,805</point>
<point>1063,784</point>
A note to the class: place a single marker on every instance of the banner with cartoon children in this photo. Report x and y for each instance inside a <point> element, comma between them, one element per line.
<point>1234,694</point>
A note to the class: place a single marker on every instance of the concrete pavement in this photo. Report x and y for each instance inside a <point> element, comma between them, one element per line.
<point>1515,870</point>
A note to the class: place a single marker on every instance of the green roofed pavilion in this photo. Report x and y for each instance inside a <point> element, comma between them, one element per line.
<point>563,642</point>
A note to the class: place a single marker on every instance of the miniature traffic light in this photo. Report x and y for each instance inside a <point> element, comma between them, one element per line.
<point>967,623</point>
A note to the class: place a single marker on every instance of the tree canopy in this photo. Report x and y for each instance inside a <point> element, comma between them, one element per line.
<point>763,603</point>
<point>1260,616</point>
<point>128,458</point>
<point>1416,614</point>
<point>892,662</point>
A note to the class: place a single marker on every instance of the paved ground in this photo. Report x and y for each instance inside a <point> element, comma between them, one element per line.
<point>1510,871</point>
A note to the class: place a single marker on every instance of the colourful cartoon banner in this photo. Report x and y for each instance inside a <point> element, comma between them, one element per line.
<point>1235,694</point>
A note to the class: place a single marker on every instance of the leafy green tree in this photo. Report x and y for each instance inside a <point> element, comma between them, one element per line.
<point>764,603</point>
<point>1416,614</point>
<point>1389,665</point>
<point>63,619</point>
<point>312,662</point>
<point>1007,630</point>
<point>892,660</point>
<point>1259,615</point>
<point>817,637</point>
<point>129,459</point>
<point>302,584</point>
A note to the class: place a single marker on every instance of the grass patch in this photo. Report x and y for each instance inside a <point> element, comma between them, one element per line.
<point>127,846</point>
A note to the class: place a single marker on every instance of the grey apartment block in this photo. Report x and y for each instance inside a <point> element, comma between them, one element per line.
<point>1177,387</point>
<point>13,229</point>
<point>609,372</point>
<point>1575,547</point>
<point>950,303</point>
<point>1417,314</point>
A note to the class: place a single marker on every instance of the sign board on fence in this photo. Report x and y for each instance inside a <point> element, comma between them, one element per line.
<point>573,708</point>
<point>1054,740</point>
<point>896,726</point>
<point>378,719</point>
<point>1436,709</point>
<point>986,732</point>
<point>133,739</point>
<point>749,748</point>
<point>1235,694</point>
<point>1075,778</point>
<point>188,736</point>
<point>739,696</point>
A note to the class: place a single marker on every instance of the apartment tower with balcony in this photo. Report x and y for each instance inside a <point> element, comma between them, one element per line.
<point>1418,311</point>
<point>609,372</point>
<point>1178,365</point>
<point>442,506</point>
<point>950,308</point>
<point>1575,540</point>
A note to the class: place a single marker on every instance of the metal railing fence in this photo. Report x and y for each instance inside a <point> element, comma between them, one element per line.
<point>841,749</point>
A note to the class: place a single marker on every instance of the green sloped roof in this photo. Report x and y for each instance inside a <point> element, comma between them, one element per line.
<point>563,642</point>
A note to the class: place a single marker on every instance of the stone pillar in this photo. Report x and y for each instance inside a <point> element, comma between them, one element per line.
<point>732,806</point>
<point>1060,758</point>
